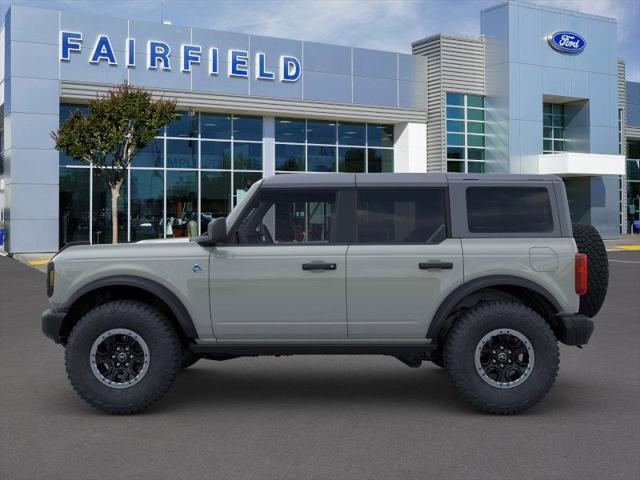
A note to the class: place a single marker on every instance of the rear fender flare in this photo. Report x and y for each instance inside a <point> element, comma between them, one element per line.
<point>441,321</point>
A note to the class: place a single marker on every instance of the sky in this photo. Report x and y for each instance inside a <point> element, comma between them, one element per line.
<point>378,24</point>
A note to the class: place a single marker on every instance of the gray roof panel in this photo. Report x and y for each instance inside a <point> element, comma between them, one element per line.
<point>346,180</point>
<point>401,180</point>
<point>310,180</point>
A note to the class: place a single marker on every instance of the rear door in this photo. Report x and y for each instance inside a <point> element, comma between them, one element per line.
<point>284,276</point>
<point>402,263</point>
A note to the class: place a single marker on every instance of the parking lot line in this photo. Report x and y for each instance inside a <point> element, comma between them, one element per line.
<point>38,262</point>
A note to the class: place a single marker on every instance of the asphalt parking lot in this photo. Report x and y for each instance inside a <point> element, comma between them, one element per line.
<point>320,417</point>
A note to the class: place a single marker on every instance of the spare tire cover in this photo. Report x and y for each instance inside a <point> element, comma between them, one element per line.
<point>590,243</point>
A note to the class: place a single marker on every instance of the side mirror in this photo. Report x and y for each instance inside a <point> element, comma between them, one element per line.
<point>217,230</point>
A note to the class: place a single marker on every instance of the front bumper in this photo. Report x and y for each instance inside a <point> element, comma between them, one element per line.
<point>574,329</point>
<point>52,323</point>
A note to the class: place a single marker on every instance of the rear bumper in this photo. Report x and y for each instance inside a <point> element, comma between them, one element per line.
<point>574,329</point>
<point>52,322</point>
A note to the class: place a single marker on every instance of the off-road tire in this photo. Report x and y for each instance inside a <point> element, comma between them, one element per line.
<point>463,339</point>
<point>188,358</point>
<point>590,243</point>
<point>165,355</point>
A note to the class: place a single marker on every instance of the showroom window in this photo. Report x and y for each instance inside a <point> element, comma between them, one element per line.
<point>552,128</point>
<point>196,169</point>
<point>465,130</point>
<point>307,145</point>
<point>633,183</point>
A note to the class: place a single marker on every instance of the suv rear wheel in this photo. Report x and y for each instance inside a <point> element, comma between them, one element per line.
<point>502,357</point>
<point>122,356</point>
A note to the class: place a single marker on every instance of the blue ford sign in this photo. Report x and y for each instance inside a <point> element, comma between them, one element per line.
<point>567,42</point>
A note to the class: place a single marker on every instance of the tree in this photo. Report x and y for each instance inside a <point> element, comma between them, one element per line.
<point>117,126</point>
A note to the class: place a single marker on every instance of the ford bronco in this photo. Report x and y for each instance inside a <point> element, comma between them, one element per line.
<point>482,275</point>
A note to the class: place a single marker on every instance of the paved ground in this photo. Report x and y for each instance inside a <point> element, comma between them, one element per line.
<point>320,417</point>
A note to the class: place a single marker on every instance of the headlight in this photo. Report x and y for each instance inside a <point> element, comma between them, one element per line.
<point>51,278</point>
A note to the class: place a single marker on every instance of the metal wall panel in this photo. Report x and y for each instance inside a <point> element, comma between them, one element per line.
<point>454,64</point>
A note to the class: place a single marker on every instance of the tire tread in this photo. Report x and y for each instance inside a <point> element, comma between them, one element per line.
<point>165,329</point>
<point>454,358</point>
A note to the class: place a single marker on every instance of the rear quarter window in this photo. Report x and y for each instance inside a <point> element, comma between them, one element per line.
<point>509,210</point>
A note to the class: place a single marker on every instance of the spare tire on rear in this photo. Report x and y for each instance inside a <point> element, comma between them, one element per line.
<point>590,243</point>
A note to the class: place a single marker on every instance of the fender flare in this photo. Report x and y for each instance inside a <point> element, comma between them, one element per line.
<point>163,293</point>
<point>440,322</point>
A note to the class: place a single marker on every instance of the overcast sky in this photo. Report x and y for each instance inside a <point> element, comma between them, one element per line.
<point>379,24</point>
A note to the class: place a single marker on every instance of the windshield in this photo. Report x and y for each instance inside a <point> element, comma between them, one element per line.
<point>233,216</point>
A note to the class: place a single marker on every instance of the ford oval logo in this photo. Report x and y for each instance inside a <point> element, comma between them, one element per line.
<point>567,42</point>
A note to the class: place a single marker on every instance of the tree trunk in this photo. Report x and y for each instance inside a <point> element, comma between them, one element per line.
<point>115,194</point>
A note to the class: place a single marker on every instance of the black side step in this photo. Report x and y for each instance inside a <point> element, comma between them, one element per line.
<point>237,349</point>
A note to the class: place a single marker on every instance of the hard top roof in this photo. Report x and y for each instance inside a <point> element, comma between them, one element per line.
<point>343,180</point>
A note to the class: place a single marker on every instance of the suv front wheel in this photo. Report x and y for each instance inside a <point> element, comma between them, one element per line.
<point>122,356</point>
<point>502,357</point>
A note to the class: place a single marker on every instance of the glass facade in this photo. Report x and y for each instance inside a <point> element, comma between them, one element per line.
<point>195,170</point>
<point>465,130</point>
<point>633,184</point>
<point>330,146</point>
<point>552,128</point>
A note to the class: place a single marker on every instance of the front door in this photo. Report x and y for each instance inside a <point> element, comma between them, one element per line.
<point>282,276</point>
<point>401,264</point>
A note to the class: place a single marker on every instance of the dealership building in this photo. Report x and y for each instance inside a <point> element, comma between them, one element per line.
<point>540,91</point>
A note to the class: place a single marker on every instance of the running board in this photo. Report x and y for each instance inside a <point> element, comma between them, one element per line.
<point>251,350</point>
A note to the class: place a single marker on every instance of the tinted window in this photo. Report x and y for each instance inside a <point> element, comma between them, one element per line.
<point>413,215</point>
<point>215,126</point>
<point>351,133</point>
<point>289,217</point>
<point>184,124</point>
<point>290,158</point>
<point>509,210</point>
<point>290,130</point>
<point>247,128</point>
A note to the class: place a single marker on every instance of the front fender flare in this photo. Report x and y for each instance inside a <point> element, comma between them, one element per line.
<point>163,293</point>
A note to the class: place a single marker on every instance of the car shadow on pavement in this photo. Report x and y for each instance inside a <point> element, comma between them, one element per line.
<point>428,388</point>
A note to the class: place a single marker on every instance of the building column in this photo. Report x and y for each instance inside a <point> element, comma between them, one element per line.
<point>268,146</point>
<point>31,113</point>
<point>410,148</point>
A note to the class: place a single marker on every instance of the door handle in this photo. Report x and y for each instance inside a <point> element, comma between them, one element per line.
<point>319,266</point>
<point>435,265</point>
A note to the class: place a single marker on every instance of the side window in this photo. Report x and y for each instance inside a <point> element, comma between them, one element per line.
<point>292,216</point>
<point>509,210</point>
<point>407,215</point>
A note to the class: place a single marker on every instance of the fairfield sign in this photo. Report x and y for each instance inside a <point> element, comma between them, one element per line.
<point>159,56</point>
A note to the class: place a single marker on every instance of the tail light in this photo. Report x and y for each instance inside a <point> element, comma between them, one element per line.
<point>581,273</point>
